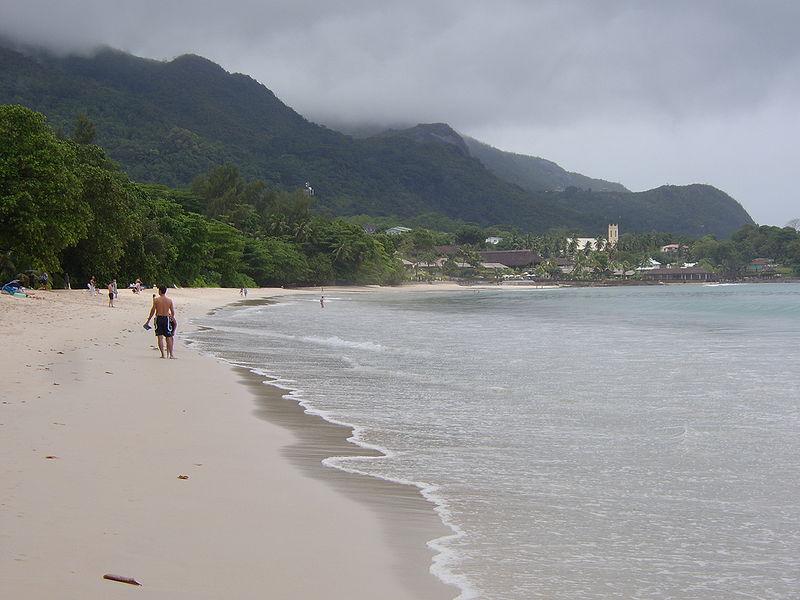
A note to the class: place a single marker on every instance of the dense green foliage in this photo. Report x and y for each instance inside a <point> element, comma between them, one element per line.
<point>67,209</point>
<point>732,257</point>
<point>169,122</point>
<point>533,173</point>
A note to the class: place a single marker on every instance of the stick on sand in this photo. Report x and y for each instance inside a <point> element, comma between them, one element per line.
<point>121,579</point>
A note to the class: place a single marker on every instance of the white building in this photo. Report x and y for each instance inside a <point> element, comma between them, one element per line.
<point>585,242</point>
<point>649,265</point>
<point>397,230</point>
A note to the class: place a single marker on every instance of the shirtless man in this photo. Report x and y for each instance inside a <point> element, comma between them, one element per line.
<point>164,309</point>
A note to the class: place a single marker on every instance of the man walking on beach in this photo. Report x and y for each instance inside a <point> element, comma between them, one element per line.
<point>164,309</point>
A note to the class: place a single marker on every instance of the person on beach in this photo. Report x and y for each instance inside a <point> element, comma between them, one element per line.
<point>322,301</point>
<point>164,310</point>
<point>111,295</point>
<point>114,288</point>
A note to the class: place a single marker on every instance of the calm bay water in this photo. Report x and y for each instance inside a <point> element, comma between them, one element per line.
<point>582,443</point>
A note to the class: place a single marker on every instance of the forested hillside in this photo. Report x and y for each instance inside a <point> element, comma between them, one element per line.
<point>534,173</point>
<point>168,122</point>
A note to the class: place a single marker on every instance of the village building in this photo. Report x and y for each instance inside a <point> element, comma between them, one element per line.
<point>493,240</point>
<point>447,250</point>
<point>397,230</point>
<point>673,248</point>
<point>583,243</point>
<point>514,259</point>
<point>761,266</point>
<point>650,265</point>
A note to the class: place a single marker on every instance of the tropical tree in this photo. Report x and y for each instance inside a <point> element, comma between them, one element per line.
<point>42,206</point>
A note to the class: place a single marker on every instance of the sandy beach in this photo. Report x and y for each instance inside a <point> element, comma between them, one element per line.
<point>194,478</point>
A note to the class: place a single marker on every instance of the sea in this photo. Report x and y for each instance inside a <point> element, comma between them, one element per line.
<point>580,443</point>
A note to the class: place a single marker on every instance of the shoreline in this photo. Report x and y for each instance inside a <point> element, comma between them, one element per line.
<point>409,521</point>
<point>415,518</point>
<point>411,514</point>
<point>97,433</point>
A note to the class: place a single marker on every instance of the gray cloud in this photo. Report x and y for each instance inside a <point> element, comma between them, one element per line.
<point>645,92</point>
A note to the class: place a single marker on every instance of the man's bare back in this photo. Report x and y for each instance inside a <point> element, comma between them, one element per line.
<point>164,306</point>
<point>164,310</point>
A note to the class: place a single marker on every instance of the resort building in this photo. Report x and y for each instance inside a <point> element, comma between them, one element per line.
<point>511,258</point>
<point>493,240</point>
<point>679,275</point>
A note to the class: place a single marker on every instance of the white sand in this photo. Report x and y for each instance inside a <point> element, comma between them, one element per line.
<point>83,383</point>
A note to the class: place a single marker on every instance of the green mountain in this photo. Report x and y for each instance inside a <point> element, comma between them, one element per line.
<point>534,173</point>
<point>168,122</point>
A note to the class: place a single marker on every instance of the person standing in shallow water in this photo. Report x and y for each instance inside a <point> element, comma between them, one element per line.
<point>164,310</point>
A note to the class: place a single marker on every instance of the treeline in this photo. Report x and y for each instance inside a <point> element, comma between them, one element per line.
<point>732,257</point>
<point>68,210</point>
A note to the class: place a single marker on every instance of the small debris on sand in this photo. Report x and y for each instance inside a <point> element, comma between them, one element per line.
<point>121,579</point>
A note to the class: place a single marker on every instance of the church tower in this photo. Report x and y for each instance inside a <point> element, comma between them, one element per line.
<point>613,234</point>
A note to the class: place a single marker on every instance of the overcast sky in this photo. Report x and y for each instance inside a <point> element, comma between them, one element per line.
<point>640,92</point>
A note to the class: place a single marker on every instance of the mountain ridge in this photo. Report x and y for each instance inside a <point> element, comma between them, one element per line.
<point>534,173</point>
<point>170,121</point>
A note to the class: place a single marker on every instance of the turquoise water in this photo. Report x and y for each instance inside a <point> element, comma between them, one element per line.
<point>582,443</point>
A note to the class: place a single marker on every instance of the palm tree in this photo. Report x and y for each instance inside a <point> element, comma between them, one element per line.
<point>600,243</point>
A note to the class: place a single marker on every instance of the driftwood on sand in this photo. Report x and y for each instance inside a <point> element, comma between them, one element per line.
<point>121,579</point>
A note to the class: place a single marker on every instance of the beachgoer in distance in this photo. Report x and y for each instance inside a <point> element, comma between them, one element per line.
<point>164,310</point>
<point>111,295</point>
<point>322,301</point>
<point>114,288</point>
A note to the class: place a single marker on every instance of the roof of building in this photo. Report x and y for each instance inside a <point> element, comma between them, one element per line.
<point>511,258</point>
<point>448,250</point>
